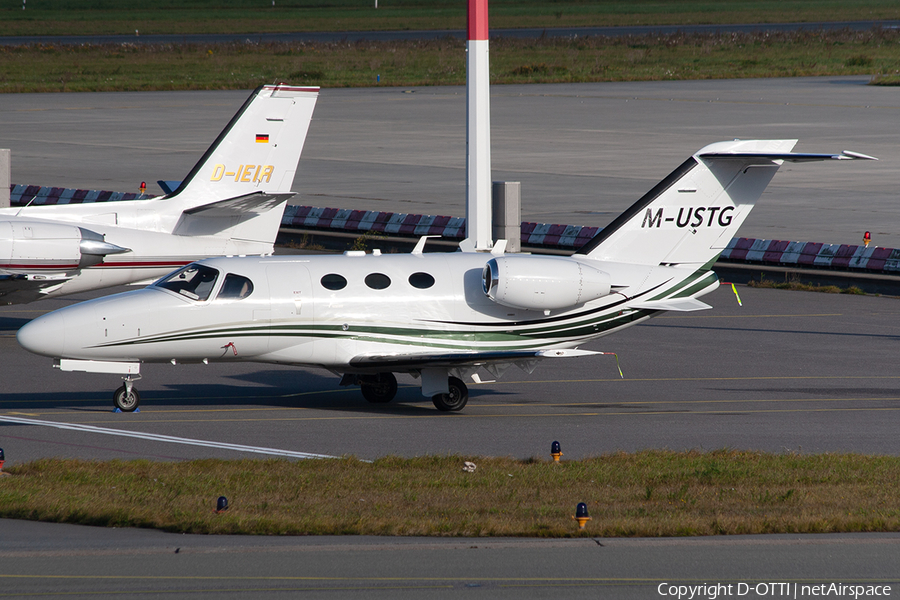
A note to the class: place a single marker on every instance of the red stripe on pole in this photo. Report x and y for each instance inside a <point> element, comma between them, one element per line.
<point>478,20</point>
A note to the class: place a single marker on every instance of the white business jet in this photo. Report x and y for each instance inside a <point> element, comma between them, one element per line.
<point>231,202</point>
<point>438,316</point>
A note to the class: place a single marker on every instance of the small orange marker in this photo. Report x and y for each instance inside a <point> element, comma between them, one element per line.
<point>555,451</point>
<point>581,515</point>
<point>143,186</point>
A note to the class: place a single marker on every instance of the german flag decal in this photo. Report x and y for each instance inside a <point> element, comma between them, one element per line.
<point>262,138</point>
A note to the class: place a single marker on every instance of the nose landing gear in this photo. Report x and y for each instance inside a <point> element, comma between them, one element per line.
<point>127,398</point>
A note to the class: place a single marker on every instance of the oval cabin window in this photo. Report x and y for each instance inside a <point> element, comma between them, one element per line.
<point>421,280</point>
<point>333,281</point>
<point>378,281</point>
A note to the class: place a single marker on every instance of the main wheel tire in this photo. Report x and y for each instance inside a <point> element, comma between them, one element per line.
<point>125,401</point>
<point>455,399</point>
<point>379,389</point>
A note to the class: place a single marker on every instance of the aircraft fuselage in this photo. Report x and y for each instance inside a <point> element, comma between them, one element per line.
<point>334,312</point>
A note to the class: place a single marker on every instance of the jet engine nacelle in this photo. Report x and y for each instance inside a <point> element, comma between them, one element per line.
<point>26,245</point>
<point>542,282</point>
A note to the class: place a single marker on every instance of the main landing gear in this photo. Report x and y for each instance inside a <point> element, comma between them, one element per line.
<point>382,387</point>
<point>378,389</point>
<point>455,399</point>
<point>127,398</point>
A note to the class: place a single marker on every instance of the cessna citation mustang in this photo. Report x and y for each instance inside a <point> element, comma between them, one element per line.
<point>230,203</point>
<point>438,316</point>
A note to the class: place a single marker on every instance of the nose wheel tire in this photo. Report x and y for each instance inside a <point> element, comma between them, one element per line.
<point>126,400</point>
<point>379,389</point>
<point>455,399</point>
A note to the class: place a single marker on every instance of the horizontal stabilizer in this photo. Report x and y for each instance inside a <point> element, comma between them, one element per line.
<point>255,203</point>
<point>674,304</point>
<point>796,157</point>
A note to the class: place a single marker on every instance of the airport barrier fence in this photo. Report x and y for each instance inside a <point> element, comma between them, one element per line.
<point>534,236</point>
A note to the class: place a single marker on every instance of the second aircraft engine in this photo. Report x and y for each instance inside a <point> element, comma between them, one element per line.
<point>29,245</point>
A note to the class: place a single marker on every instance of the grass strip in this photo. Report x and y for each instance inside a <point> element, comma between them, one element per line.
<point>125,67</point>
<point>648,493</point>
<point>76,17</point>
<point>801,286</point>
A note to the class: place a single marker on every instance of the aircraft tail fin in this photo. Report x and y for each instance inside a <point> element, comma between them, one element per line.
<point>250,165</point>
<point>691,215</point>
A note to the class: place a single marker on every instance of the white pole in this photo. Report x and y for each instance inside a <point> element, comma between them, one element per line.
<point>478,128</point>
<point>4,178</point>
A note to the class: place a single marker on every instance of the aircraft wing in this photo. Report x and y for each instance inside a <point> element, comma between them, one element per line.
<point>457,359</point>
<point>673,304</point>
<point>256,202</point>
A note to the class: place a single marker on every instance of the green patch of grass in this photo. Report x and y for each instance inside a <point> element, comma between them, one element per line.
<point>650,493</point>
<point>43,68</point>
<point>76,17</point>
<point>886,79</point>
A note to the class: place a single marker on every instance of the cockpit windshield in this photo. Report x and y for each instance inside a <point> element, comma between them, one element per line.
<point>193,281</point>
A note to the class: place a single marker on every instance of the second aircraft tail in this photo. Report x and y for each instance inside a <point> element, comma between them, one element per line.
<point>237,187</point>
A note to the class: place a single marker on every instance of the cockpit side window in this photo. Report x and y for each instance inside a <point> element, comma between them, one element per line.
<point>193,281</point>
<point>235,287</point>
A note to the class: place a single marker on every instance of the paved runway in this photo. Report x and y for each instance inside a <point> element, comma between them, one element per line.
<point>583,153</point>
<point>76,562</point>
<point>788,371</point>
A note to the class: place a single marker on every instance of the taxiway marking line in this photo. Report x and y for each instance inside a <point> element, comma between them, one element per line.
<point>526,415</point>
<point>290,409</point>
<point>163,438</point>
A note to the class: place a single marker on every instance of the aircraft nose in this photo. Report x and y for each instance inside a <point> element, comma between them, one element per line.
<point>45,335</point>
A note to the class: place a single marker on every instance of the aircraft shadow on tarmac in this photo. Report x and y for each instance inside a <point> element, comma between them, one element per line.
<point>273,389</point>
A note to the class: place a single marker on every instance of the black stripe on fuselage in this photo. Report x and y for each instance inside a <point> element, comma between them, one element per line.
<point>638,206</point>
